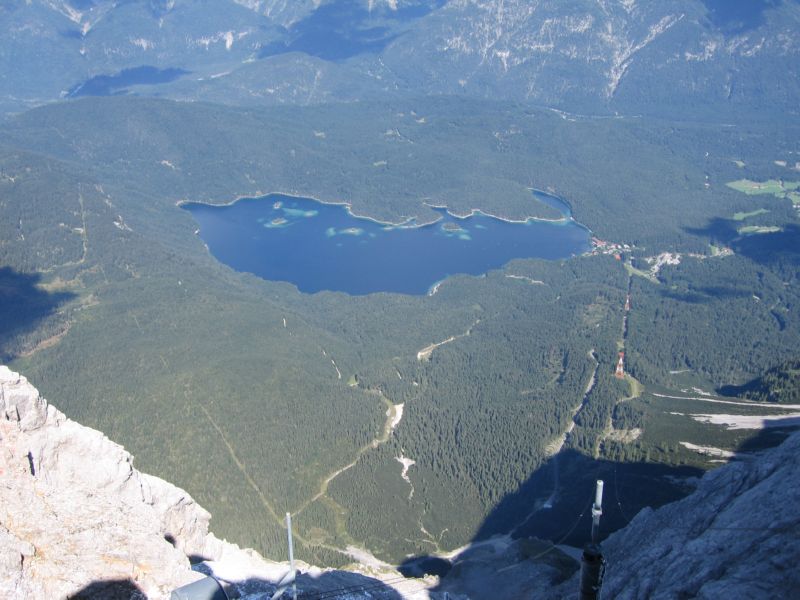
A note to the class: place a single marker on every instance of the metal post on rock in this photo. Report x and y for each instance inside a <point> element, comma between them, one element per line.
<point>291,576</point>
<point>597,510</point>
<point>592,562</point>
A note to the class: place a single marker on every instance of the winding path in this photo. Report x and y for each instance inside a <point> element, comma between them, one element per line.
<point>426,352</point>
<point>239,463</point>
<point>556,445</point>
<point>388,428</point>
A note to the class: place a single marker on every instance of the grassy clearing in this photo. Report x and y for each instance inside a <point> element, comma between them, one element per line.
<point>636,387</point>
<point>752,188</point>
<point>634,271</point>
<point>785,190</point>
<point>741,216</point>
<point>778,188</point>
<point>754,229</point>
<point>668,422</point>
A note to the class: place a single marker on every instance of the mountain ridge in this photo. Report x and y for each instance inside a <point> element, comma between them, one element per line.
<point>604,57</point>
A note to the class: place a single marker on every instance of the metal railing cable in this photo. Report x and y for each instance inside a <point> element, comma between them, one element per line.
<point>399,581</point>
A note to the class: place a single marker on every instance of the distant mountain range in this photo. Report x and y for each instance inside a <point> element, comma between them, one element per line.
<point>700,57</point>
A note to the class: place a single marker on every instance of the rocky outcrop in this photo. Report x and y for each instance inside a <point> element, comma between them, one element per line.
<point>74,513</point>
<point>78,521</point>
<point>736,536</point>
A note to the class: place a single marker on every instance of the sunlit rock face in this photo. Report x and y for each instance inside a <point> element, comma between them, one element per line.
<point>76,515</point>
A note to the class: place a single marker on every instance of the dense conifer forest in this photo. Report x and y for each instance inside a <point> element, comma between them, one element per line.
<point>223,383</point>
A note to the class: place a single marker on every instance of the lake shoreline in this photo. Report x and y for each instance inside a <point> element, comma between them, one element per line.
<point>409,257</point>
<point>475,211</point>
<point>405,224</point>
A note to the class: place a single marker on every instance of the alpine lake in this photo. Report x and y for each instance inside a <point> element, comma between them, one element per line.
<point>318,246</point>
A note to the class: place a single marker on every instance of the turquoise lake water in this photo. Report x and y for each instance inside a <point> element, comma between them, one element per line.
<point>319,246</point>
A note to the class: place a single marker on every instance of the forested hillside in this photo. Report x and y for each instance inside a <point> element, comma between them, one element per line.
<point>225,384</point>
<point>779,384</point>
<point>637,181</point>
<point>400,424</point>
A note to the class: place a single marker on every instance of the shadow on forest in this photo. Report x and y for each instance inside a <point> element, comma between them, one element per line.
<point>763,248</point>
<point>755,385</point>
<point>768,438</point>
<point>553,504</point>
<point>23,306</point>
<point>496,564</point>
<point>557,500</point>
<point>780,385</point>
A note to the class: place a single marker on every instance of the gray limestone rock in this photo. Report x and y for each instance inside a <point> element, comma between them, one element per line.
<point>65,527</point>
<point>737,536</point>
<point>18,404</point>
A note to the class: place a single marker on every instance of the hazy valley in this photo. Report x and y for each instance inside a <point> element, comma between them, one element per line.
<point>399,425</point>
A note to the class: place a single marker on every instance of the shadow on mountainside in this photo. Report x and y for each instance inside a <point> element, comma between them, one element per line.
<point>25,306</point>
<point>779,384</point>
<point>310,586</point>
<point>769,437</point>
<point>113,589</point>
<point>514,552</point>
<point>735,17</point>
<point>551,508</point>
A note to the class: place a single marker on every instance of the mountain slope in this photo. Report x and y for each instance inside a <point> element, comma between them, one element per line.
<point>735,537</point>
<point>609,55</point>
<point>111,529</point>
<point>68,530</point>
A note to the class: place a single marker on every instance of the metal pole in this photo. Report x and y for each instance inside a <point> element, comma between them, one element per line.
<point>592,562</point>
<point>597,510</point>
<point>291,554</point>
<point>592,570</point>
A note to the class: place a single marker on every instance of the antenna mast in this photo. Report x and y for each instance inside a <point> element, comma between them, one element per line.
<point>593,564</point>
<point>291,576</point>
